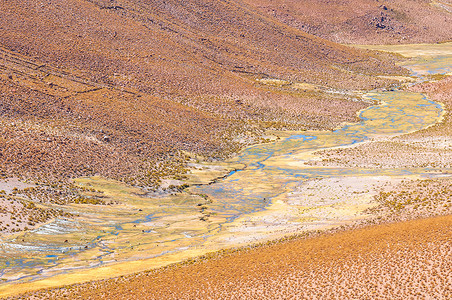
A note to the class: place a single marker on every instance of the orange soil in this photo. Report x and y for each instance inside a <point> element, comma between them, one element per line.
<point>398,261</point>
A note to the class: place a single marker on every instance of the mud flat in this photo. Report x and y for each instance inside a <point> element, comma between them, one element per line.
<point>270,191</point>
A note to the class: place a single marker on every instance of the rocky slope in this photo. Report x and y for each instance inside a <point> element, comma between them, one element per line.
<point>117,88</point>
<point>365,21</point>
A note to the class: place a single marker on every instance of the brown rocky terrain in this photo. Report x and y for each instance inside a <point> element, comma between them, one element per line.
<point>406,256</point>
<point>129,90</point>
<point>120,88</point>
<point>365,21</point>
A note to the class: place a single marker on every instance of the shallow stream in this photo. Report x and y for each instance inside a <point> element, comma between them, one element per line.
<point>259,200</point>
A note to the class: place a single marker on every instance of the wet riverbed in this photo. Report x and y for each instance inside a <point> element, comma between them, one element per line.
<point>256,201</point>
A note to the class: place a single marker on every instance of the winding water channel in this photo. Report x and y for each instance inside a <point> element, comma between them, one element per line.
<point>272,192</point>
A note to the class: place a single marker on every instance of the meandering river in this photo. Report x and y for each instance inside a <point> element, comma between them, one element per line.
<point>270,192</point>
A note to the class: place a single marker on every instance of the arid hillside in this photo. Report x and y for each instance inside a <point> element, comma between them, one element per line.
<point>118,88</point>
<point>117,116</point>
<point>365,21</point>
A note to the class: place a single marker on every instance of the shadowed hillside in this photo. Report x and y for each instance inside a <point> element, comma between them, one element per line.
<point>118,87</point>
<point>365,21</point>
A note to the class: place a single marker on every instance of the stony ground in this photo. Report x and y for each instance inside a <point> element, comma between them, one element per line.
<point>124,89</point>
<point>365,21</point>
<point>402,252</point>
<point>120,88</point>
